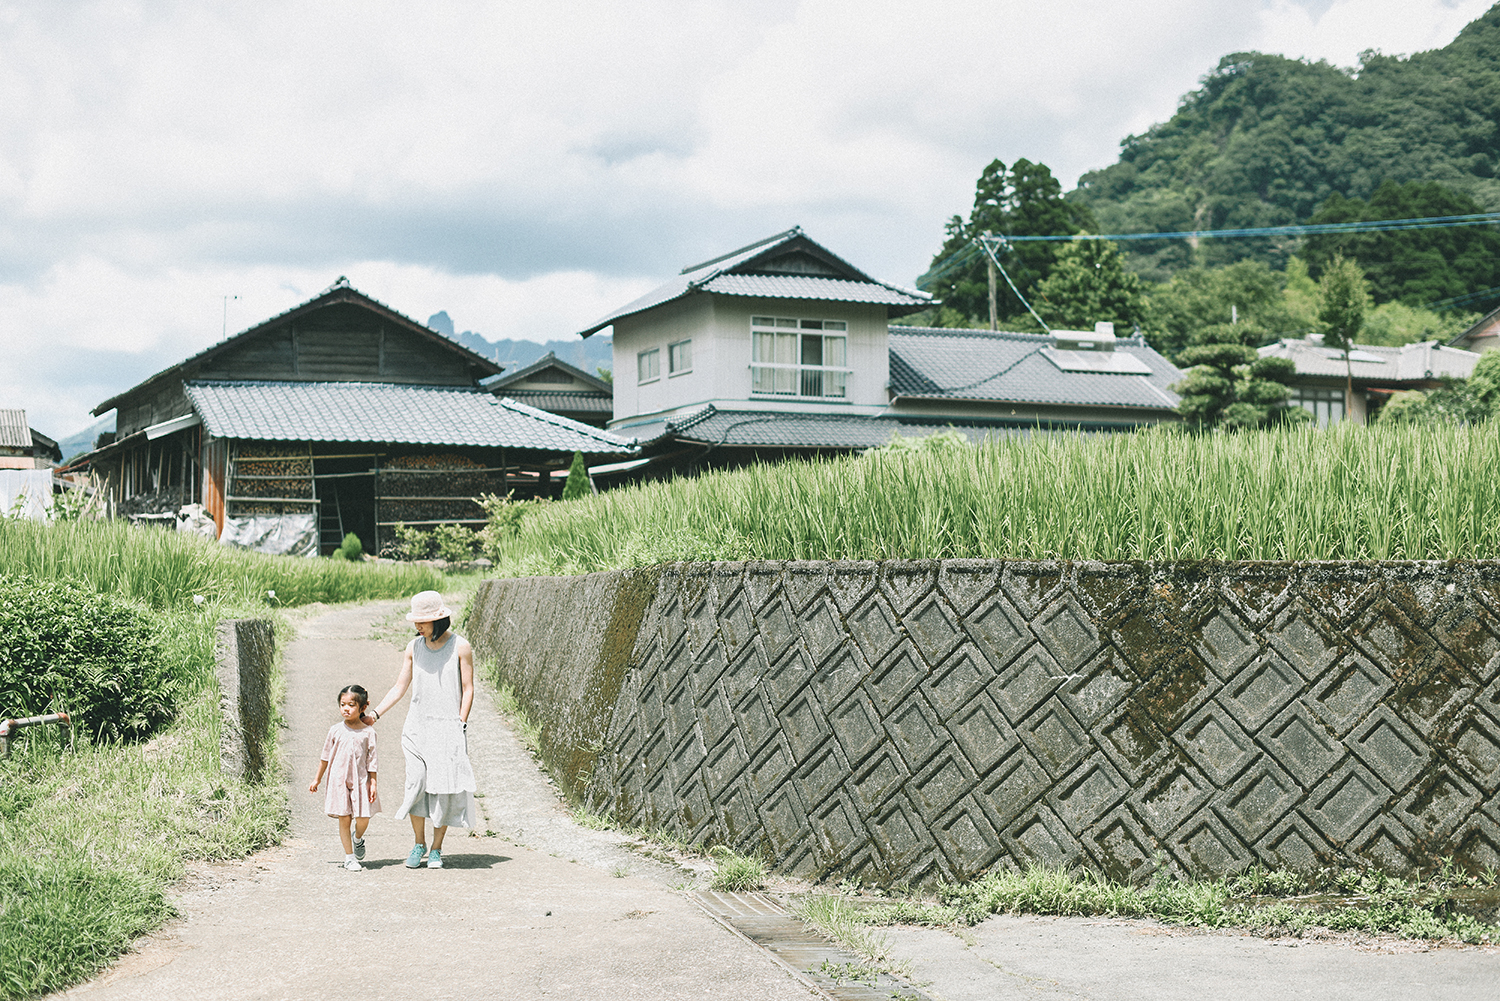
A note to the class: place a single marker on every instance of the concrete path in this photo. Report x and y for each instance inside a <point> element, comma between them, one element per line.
<point>504,919</point>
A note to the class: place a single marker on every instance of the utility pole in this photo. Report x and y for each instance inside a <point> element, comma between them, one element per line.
<point>994,307</point>
<point>224,333</point>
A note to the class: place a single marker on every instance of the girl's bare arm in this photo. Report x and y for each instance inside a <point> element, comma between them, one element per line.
<point>322,767</point>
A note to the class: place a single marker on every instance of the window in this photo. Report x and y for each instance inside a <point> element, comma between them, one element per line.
<point>648,365</point>
<point>796,357</point>
<point>1327,405</point>
<point>679,357</point>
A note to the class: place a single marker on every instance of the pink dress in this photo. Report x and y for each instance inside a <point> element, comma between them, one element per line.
<point>350,755</point>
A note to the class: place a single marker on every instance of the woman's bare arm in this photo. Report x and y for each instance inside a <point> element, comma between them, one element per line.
<point>466,676</point>
<point>403,682</point>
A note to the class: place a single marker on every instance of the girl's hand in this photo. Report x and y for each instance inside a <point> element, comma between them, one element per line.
<point>372,790</point>
<point>313,787</point>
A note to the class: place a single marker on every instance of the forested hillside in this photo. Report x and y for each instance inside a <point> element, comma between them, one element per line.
<point>1268,140</point>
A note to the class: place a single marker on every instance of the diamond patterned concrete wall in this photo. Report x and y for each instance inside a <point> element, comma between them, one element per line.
<point>897,722</point>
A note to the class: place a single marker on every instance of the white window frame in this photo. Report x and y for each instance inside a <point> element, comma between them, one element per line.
<point>790,376</point>
<point>647,366</point>
<point>1325,403</point>
<point>673,357</point>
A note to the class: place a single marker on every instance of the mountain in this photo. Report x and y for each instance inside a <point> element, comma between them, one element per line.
<point>1268,140</point>
<point>83,441</point>
<point>588,354</point>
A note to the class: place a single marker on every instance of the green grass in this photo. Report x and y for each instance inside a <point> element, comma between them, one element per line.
<point>736,873</point>
<point>92,837</point>
<point>1346,493</point>
<point>165,569</point>
<point>1268,902</point>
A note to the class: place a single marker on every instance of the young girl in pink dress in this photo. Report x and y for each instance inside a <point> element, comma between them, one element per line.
<point>349,761</point>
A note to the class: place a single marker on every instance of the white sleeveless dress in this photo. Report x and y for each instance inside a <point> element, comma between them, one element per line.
<point>439,780</point>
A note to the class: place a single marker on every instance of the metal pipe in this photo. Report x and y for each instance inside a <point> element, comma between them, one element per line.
<point>9,726</point>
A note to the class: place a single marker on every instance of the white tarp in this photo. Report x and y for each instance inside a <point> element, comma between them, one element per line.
<point>279,534</point>
<point>25,493</point>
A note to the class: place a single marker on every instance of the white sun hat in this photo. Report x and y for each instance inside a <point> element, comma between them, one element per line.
<point>427,606</point>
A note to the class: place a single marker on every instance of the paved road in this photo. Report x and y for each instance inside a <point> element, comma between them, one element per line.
<point>502,920</point>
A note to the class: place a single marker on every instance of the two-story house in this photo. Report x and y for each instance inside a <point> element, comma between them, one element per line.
<point>784,348</point>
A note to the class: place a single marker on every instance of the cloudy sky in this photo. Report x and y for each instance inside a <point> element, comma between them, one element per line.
<point>528,167</point>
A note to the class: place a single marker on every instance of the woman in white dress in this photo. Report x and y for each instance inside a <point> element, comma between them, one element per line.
<point>439,669</point>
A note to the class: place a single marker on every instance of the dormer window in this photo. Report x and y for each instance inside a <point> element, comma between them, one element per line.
<point>792,356</point>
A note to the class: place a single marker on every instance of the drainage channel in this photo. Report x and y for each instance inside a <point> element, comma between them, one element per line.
<point>804,953</point>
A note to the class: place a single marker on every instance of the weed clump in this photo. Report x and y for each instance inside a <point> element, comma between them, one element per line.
<point>738,873</point>
<point>65,648</point>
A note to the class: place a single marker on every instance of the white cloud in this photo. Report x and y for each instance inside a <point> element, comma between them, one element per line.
<point>1348,27</point>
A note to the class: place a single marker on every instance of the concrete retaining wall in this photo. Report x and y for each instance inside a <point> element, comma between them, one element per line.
<point>899,722</point>
<point>245,654</point>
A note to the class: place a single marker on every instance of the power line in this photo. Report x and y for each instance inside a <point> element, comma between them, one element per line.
<point>971,250</point>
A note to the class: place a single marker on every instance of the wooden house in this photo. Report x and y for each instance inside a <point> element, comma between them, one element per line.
<point>553,385</point>
<point>340,415</point>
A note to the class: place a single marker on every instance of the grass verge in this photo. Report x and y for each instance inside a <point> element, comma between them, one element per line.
<point>1438,907</point>
<point>92,836</point>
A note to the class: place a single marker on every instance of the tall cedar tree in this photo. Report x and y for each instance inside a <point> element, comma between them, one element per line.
<point>1024,200</point>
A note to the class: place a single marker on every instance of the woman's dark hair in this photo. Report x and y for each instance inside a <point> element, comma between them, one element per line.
<point>358,692</point>
<point>440,626</point>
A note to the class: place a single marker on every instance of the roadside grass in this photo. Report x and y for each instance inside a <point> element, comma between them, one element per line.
<point>1437,906</point>
<point>1345,493</point>
<point>736,873</point>
<point>165,569</point>
<point>92,836</point>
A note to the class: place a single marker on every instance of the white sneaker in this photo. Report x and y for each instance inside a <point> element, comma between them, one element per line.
<point>353,865</point>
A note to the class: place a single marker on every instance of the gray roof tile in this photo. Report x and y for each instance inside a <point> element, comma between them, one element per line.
<point>1000,366</point>
<point>381,412</point>
<point>580,401</point>
<point>857,287</point>
<point>770,429</point>
<point>1413,363</point>
<point>14,432</point>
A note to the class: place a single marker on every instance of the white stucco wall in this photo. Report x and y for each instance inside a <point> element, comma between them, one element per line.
<point>719,327</point>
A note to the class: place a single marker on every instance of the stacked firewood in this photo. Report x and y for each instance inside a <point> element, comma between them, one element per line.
<point>425,488</point>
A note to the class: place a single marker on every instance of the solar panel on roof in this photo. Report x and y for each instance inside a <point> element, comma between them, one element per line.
<point>1097,362</point>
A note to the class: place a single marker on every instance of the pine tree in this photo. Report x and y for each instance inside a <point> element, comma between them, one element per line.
<point>579,484</point>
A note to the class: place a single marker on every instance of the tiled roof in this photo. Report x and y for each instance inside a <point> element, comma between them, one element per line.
<point>771,429</point>
<point>14,432</point>
<point>557,400</point>
<point>546,361</point>
<point>719,276</point>
<point>811,287</point>
<point>339,291</point>
<point>1373,363</point>
<point>381,412</point>
<point>999,366</point>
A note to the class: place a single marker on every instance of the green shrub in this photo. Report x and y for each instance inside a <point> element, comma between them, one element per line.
<point>455,543</point>
<point>579,484</point>
<point>350,549</point>
<point>64,648</point>
<point>409,543</point>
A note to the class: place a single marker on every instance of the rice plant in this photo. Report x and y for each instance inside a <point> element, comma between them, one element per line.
<point>1345,493</point>
<point>167,569</point>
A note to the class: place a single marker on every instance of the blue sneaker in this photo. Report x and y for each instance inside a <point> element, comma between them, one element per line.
<point>415,858</point>
<point>434,859</point>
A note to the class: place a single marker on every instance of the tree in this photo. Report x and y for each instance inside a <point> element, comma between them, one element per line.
<point>1089,283</point>
<point>1416,266</point>
<point>1023,200</point>
<point>1343,298</point>
<point>578,484</point>
<point>1199,304</point>
<point>1229,385</point>
<point>1457,401</point>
